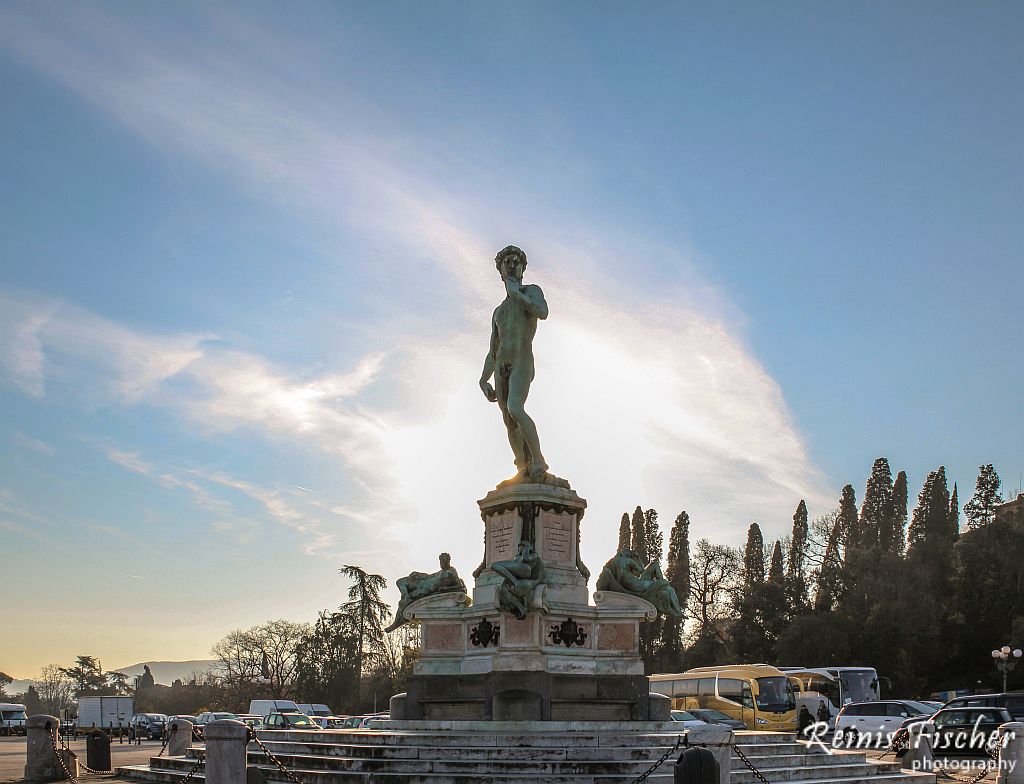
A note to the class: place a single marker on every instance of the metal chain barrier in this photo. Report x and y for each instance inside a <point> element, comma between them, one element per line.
<point>291,776</point>
<point>59,756</point>
<point>192,772</point>
<point>661,761</point>
<point>986,769</point>
<point>750,766</point>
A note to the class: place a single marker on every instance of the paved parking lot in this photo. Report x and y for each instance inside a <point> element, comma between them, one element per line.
<point>12,758</point>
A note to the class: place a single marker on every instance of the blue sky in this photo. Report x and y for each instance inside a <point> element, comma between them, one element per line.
<point>245,282</point>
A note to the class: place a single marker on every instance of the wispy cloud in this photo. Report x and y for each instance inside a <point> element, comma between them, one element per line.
<point>639,400</point>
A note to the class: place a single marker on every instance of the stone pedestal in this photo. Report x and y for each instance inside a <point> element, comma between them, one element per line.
<point>40,761</point>
<point>1011,753</point>
<point>567,660</point>
<point>226,742</point>
<point>180,737</point>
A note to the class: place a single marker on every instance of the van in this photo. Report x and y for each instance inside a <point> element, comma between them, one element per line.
<point>315,709</point>
<point>266,707</point>
<point>12,718</point>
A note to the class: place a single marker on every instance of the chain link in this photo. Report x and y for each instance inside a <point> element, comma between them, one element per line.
<point>661,761</point>
<point>59,756</point>
<point>192,772</point>
<point>750,766</point>
<point>986,769</point>
<point>288,774</point>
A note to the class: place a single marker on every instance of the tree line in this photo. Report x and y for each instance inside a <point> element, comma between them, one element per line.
<point>344,659</point>
<point>911,594</point>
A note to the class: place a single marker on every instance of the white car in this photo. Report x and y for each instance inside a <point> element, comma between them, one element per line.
<point>688,720</point>
<point>879,719</point>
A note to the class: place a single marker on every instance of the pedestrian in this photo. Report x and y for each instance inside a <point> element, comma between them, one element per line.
<point>824,714</point>
<point>805,720</point>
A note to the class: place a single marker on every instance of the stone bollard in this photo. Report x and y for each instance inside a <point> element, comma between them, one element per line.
<point>719,741</point>
<point>399,706</point>
<point>226,743</point>
<point>919,756</point>
<point>1011,753</point>
<point>180,738</point>
<point>41,762</point>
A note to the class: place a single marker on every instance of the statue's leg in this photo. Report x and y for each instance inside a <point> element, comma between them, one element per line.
<point>515,435</point>
<point>518,389</point>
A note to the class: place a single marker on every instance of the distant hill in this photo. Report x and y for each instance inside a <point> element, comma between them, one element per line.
<point>166,672</point>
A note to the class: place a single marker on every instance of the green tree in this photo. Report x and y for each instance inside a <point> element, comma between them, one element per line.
<point>653,538</point>
<point>776,573</point>
<point>367,615</point>
<point>796,581</point>
<point>87,675</point>
<point>623,533</point>
<point>895,539</point>
<point>930,533</point>
<point>678,574</point>
<point>981,509</point>
<point>753,556</point>
<point>954,513</point>
<point>849,522</point>
<point>638,539</point>
<point>876,513</point>
<point>326,657</point>
<point>5,681</point>
<point>118,682</point>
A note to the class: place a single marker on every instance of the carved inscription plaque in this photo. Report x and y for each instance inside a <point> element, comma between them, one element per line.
<point>557,537</point>
<point>502,536</point>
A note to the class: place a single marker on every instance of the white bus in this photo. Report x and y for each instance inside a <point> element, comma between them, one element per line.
<point>836,686</point>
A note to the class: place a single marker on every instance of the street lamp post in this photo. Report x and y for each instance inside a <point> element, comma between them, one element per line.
<point>1005,660</point>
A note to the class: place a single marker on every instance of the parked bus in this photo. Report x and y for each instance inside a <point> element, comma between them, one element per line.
<point>837,686</point>
<point>757,694</point>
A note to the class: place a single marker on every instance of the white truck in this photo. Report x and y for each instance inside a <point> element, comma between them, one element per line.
<point>104,712</point>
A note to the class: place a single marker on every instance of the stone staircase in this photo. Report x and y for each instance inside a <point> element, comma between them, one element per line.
<point>504,753</point>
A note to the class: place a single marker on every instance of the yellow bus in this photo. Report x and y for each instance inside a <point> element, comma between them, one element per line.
<point>759,695</point>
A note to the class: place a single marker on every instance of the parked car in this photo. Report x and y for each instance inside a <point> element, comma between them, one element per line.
<point>1013,702</point>
<point>710,716</point>
<point>205,718</point>
<point>687,719</point>
<point>878,717</point>
<point>289,721</point>
<point>957,730</point>
<point>374,717</point>
<point>266,707</point>
<point>329,722</point>
<point>314,709</point>
<point>147,725</point>
<point>253,722</point>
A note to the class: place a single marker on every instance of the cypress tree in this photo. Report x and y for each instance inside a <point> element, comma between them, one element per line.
<point>980,510</point>
<point>899,513</point>
<point>776,575</point>
<point>929,528</point>
<point>849,522</point>
<point>876,512</point>
<point>953,518</point>
<point>638,539</point>
<point>623,533</point>
<point>796,582</point>
<point>753,556</point>
<point>678,574</point>
<point>652,536</point>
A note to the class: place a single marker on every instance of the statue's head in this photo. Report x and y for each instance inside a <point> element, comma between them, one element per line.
<point>511,262</point>
<point>445,559</point>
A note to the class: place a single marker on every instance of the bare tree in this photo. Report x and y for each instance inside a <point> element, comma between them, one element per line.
<point>715,577</point>
<point>264,654</point>
<point>55,689</point>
